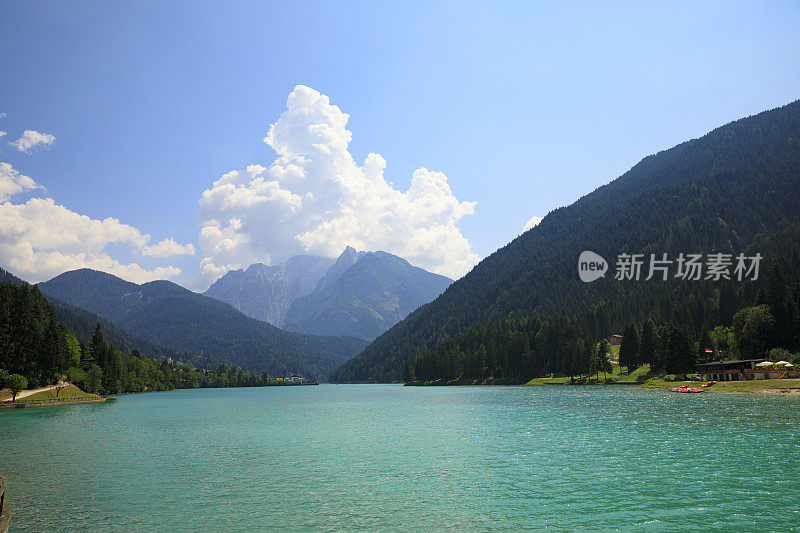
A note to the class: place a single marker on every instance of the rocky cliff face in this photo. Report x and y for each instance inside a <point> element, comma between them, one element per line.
<point>361,294</point>
<point>365,299</point>
<point>266,292</point>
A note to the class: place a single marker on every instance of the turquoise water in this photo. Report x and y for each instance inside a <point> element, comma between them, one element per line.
<point>383,457</point>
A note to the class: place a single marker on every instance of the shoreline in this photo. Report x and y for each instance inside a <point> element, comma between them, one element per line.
<point>17,404</point>
<point>788,387</point>
<point>50,403</point>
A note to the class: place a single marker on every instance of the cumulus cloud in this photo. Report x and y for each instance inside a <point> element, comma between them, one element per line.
<point>2,134</point>
<point>40,239</point>
<point>32,139</point>
<point>532,223</point>
<point>12,182</point>
<point>168,248</point>
<point>315,198</point>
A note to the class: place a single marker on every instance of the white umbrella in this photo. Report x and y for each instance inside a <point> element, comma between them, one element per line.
<point>766,363</point>
<point>782,363</point>
<point>788,365</point>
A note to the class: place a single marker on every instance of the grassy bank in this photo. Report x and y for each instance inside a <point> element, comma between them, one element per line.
<point>790,386</point>
<point>68,393</point>
<point>640,375</point>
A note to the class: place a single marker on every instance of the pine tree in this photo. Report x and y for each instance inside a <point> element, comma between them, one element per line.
<point>649,344</point>
<point>727,304</point>
<point>629,349</point>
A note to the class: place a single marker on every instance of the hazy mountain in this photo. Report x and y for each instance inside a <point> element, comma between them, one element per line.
<point>166,314</point>
<point>721,192</point>
<point>347,259</point>
<point>266,292</point>
<point>368,294</point>
<point>361,294</point>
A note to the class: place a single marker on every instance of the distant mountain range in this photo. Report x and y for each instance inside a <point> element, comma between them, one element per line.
<point>724,192</point>
<point>166,314</point>
<point>361,294</point>
<point>266,292</point>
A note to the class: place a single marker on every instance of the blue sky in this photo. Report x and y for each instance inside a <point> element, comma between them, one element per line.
<point>523,106</point>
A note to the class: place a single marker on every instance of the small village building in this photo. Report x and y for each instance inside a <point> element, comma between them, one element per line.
<point>740,370</point>
<point>295,378</point>
<point>615,339</point>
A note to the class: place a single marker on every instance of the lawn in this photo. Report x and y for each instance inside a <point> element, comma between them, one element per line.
<point>614,352</point>
<point>640,375</point>
<point>70,392</point>
<point>548,381</point>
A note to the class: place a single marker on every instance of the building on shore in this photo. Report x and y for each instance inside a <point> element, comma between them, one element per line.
<point>740,370</point>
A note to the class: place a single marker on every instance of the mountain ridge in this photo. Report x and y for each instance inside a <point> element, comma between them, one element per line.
<point>367,298</point>
<point>82,323</point>
<point>167,314</point>
<point>714,193</point>
<point>266,292</point>
<point>360,294</point>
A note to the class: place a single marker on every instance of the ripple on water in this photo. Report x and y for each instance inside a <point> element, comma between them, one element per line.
<point>389,458</point>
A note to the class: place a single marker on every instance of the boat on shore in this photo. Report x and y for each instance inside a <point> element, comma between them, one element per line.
<point>686,389</point>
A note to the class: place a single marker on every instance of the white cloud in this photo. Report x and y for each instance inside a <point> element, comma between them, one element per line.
<point>532,223</point>
<point>3,115</point>
<point>2,134</point>
<point>12,182</point>
<point>314,198</point>
<point>31,139</point>
<point>167,248</point>
<point>40,239</point>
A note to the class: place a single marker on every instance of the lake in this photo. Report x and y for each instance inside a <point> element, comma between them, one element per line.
<point>387,457</point>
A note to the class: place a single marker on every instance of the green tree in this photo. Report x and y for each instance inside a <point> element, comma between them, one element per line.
<point>94,379</point>
<point>779,354</point>
<point>77,377</point>
<point>629,349</point>
<point>603,364</point>
<point>727,303</point>
<point>649,343</point>
<point>722,341</point>
<point>753,330</point>
<point>73,350</point>
<point>16,383</point>
<point>679,359</point>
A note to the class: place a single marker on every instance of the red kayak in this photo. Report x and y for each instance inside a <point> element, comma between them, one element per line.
<point>686,389</point>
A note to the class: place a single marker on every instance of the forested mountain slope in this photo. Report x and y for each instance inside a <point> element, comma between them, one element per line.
<point>169,315</point>
<point>82,324</point>
<point>721,192</point>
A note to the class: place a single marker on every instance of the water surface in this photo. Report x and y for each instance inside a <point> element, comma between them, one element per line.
<point>384,457</point>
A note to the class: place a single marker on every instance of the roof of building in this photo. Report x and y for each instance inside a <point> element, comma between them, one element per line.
<point>732,362</point>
